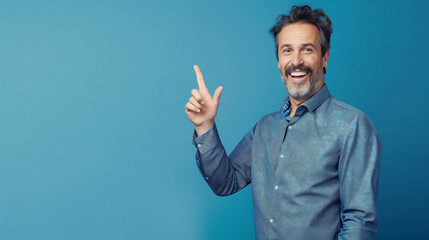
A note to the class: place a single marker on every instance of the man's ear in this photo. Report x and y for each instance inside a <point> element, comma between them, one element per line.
<point>278,65</point>
<point>325,59</point>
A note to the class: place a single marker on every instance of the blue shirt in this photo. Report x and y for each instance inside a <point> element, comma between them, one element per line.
<point>314,176</point>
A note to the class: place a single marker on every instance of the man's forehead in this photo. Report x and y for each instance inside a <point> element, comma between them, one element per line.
<point>298,34</point>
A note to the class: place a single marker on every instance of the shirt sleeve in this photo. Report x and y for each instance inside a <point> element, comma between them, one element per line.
<point>358,167</point>
<point>224,174</point>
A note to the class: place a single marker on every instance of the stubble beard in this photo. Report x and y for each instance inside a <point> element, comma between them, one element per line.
<point>306,89</point>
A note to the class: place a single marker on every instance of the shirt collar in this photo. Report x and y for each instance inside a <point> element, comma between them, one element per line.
<point>311,104</point>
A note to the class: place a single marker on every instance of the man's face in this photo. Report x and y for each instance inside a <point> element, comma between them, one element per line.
<point>300,60</point>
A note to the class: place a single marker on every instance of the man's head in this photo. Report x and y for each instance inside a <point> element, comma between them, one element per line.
<point>302,44</point>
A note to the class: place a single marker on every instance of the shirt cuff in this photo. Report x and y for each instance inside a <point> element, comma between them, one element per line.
<point>206,141</point>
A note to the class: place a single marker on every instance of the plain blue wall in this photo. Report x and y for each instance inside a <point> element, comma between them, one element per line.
<point>94,142</point>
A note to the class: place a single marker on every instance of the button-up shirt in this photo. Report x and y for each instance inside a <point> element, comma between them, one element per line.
<point>313,175</point>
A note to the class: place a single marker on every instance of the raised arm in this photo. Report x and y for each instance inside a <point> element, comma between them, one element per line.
<point>224,174</point>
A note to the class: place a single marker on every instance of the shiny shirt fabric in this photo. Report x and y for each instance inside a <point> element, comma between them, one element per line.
<point>314,176</point>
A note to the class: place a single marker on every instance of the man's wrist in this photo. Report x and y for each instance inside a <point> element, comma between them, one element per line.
<point>204,127</point>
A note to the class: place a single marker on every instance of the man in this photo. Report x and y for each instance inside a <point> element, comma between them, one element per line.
<point>313,165</point>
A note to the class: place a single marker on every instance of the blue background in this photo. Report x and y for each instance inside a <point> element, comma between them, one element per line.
<point>94,142</point>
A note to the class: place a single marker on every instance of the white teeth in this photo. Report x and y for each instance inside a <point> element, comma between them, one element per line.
<point>298,74</point>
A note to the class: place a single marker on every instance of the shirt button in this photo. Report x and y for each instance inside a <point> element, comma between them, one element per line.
<point>271,220</point>
<point>207,178</point>
<point>282,156</point>
<point>290,126</point>
<point>199,145</point>
<point>276,187</point>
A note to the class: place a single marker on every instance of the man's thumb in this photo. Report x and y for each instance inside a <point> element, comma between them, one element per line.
<point>217,93</point>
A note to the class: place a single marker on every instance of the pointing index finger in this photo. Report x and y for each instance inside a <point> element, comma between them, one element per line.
<point>200,78</point>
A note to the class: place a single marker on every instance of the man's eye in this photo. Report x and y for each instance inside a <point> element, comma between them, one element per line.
<point>308,50</point>
<point>286,50</point>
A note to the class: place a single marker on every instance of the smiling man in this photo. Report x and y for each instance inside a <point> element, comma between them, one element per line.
<point>314,164</point>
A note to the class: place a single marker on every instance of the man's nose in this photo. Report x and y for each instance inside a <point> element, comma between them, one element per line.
<point>297,59</point>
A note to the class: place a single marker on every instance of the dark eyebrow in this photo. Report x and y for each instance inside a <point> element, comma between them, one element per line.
<point>284,45</point>
<point>308,44</point>
<point>304,45</point>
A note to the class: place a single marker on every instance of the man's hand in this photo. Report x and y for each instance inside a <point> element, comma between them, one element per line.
<point>201,108</point>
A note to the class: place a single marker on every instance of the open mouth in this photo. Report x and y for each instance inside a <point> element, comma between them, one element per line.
<point>298,75</point>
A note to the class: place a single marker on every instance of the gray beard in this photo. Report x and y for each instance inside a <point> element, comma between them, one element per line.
<point>313,84</point>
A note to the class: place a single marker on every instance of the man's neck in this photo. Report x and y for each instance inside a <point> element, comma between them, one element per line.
<point>294,103</point>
